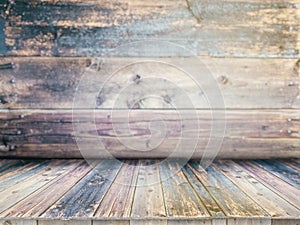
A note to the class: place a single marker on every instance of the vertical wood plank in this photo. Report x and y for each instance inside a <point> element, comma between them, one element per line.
<point>146,221</point>
<point>83,199</point>
<point>18,222</point>
<point>117,202</point>
<point>190,222</point>
<point>285,221</point>
<point>180,198</point>
<point>209,202</point>
<point>148,198</point>
<point>113,222</point>
<point>64,222</point>
<point>249,221</point>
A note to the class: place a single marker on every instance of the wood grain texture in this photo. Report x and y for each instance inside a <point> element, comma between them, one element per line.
<point>117,202</point>
<point>189,222</point>
<point>50,133</point>
<point>244,197</point>
<point>149,83</point>
<point>180,199</point>
<point>17,176</point>
<point>285,222</point>
<point>282,171</point>
<point>63,222</point>
<point>114,222</point>
<point>209,202</point>
<point>38,202</point>
<point>284,189</point>
<point>227,194</point>
<point>249,221</point>
<point>270,201</point>
<point>21,190</point>
<point>148,194</point>
<point>84,198</point>
<point>217,28</point>
<point>18,222</point>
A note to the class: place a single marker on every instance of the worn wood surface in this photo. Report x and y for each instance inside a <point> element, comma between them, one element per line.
<point>149,83</point>
<point>117,202</point>
<point>282,171</point>
<point>274,204</point>
<point>217,28</point>
<point>226,193</point>
<point>50,133</point>
<point>180,198</point>
<point>84,198</point>
<point>150,192</point>
<point>38,202</point>
<point>274,183</point>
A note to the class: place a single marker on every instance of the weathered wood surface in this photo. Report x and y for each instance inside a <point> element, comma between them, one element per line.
<point>282,171</point>
<point>274,204</point>
<point>38,202</point>
<point>21,190</point>
<point>148,193</point>
<point>93,28</point>
<point>157,83</point>
<point>226,193</point>
<point>118,200</point>
<point>84,198</point>
<point>248,134</point>
<point>180,198</point>
<point>274,183</point>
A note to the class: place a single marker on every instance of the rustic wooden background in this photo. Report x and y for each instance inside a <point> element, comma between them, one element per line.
<point>251,47</point>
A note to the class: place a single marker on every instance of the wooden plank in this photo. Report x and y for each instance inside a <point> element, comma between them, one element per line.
<point>208,201</point>
<point>282,171</point>
<point>16,193</point>
<point>114,222</point>
<point>232,200</point>
<point>148,222</point>
<point>18,222</point>
<point>78,28</point>
<point>117,202</point>
<point>244,83</point>
<point>50,133</point>
<point>18,176</point>
<point>285,222</point>
<point>38,202</point>
<point>270,201</point>
<point>180,198</point>
<point>148,199</point>
<point>189,222</point>
<point>10,165</point>
<point>64,222</point>
<point>249,221</point>
<point>291,163</point>
<point>84,198</point>
<point>283,189</point>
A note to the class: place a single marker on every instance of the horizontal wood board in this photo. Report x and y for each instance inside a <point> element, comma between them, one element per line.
<point>149,134</point>
<point>93,28</point>
<point>149,83</point>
